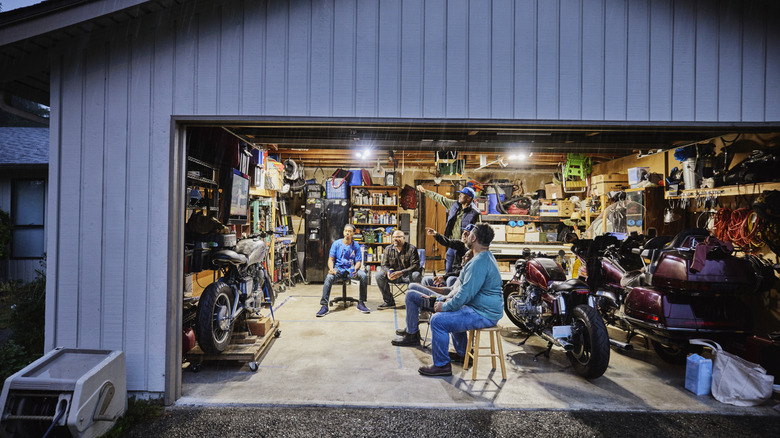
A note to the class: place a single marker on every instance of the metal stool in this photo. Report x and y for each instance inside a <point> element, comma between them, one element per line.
<point>494,333</point>
<point>344,281</point>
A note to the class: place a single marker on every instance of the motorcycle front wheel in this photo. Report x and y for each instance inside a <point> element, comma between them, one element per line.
<point>214,326</point>
<point>509,291</point>
<point>590,355</point>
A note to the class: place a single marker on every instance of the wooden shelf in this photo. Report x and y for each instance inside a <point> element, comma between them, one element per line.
<point>361,224</point>
<point>254,191</point>
<point>744,189</point>
<point>374,243</point>
<point>520,217</point>
<point>375,206</point>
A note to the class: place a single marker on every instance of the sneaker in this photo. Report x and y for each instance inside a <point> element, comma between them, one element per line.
<point>386,305</point>
<point>324,310</point>
<point>407,340</point>
<point>401,332</point>
<point>362,307</point>
<point>433,370</point>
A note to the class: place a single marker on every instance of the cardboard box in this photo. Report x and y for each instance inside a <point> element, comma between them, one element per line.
<point>532,237</point>
<point>565,208</point>
<point>609,178</point>
<point>553,191</point>
<point>604,188</point>
<point>259,326</point>
<point>530,227</point>
<point>548,210</point>
<point>499,232</point>
<point>503,267</point>
<point>515,234</point>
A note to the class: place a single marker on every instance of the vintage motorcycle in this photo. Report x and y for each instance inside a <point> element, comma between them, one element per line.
<point>648,286</point>
<point>541,301</point>
<point>240,291</point>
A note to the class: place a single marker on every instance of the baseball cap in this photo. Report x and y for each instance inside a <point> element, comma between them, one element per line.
<point>469,227</point>
<point>468,191</point>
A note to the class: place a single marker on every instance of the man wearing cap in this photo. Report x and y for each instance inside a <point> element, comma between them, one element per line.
<point>460,212</point>
<point>449,277</point>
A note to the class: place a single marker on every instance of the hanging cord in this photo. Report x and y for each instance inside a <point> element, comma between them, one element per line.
<point>742,227</point>
<point>721,224</point>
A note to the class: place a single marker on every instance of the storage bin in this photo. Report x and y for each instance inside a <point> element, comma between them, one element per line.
<point>698,374</point>
<point>336,193</point>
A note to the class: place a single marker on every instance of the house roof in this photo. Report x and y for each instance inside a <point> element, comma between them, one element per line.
<point>24,146</point>
<point>27,34</point>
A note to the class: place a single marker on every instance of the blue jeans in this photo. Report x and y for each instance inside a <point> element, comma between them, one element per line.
<point>457,323</point>
<point>428,281</point>
<point>415,300</point>
<point>450,256</point>
<point>384,284</point>
<point>361,276</point>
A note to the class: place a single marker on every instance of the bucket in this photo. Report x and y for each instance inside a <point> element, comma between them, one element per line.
<point>689,173</point>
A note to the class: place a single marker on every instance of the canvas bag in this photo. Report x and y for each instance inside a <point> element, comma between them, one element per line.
<point>736,381</point>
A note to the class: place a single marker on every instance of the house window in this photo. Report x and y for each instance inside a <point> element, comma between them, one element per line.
<point>28,198</point>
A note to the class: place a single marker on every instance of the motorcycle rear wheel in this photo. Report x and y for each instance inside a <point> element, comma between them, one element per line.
<point>673,354</point>
<point>590,356</point>
<point>214,326</point>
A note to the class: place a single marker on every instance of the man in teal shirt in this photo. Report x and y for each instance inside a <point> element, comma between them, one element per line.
<point>478,304</point>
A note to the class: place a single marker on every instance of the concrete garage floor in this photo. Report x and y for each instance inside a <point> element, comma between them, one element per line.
<point>346,359</point>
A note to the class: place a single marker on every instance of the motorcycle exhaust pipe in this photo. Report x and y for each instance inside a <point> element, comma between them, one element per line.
<point>558,341</point>
<point>625,346</point>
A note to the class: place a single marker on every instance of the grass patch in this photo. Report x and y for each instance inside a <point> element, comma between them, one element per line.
<point>138,411</point>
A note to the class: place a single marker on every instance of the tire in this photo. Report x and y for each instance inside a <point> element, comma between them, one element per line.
<point>214,326</point>
<point>510,290</point>
<point>590,356</point>
<point>673,354</point>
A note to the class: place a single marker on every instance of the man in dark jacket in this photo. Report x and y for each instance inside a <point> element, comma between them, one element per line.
<point>460,213</point>
<point>401,264</point>
<point>450,277</point>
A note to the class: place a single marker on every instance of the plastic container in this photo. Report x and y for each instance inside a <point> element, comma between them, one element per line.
<point>698,374</point>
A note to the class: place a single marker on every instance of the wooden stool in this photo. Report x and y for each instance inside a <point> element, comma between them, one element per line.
<point>494,333</point>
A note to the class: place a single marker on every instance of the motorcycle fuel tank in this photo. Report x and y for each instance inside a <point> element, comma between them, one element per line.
<point>541,271</point>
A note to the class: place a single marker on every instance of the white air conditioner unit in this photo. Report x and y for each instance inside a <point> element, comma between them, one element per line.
<point>79,391</point>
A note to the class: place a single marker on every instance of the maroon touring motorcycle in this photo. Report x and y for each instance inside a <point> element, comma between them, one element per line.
<point>662,289</point>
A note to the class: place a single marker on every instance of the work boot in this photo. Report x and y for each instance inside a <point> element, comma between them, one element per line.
<point>407,340</point>
<point>434,371</point>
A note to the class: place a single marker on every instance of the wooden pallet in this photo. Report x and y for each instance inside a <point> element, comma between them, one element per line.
<point>244,348</point>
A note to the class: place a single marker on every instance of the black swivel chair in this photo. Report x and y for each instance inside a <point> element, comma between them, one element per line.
<point>343,281</point>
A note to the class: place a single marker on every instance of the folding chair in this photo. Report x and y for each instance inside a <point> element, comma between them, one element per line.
<point>399,289</point>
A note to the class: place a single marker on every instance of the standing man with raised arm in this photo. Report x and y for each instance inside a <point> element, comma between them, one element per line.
<point>460,212</point>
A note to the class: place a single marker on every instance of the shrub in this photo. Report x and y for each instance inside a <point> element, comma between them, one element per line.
<point>26,319</point>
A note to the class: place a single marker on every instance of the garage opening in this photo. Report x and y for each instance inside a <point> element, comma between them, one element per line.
<point>290,186</point>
